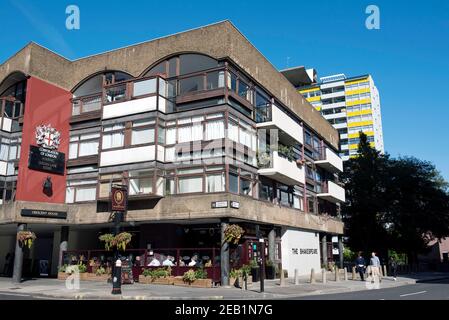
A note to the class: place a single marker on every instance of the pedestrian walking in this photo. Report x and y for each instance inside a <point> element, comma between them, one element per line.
<point>360,266</point>
<point>375,267</point>
<point>394,267</point>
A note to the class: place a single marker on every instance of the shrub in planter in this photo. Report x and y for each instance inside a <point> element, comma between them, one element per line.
<point>234,277</point>
<point>270,270</point>
<point>189,276</point>
<point>255,271</point>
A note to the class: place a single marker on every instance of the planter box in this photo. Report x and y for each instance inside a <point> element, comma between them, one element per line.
<point>149,280</point>
<point>237,282</point>
<point>199,283</point>
<point>255,274</point>
<point>270,272</point>
<point>85,277</point>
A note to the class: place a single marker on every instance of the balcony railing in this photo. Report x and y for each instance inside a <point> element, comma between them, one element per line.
<point>329,160</point>
<point>264,113</point>
<point>332,191</point>
<point>86,104</point>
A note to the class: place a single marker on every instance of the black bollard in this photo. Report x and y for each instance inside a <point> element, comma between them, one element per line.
<point>117,278</point>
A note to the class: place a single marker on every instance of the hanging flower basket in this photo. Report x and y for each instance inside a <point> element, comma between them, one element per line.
<point>121,240</point>
<point>26,238</point>
<point>107,239</point>
<point>233,233</point>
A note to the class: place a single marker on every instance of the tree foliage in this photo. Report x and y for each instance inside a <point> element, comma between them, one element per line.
<point>399,204</point>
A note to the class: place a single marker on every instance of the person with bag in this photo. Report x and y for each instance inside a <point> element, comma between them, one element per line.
<point>394,267</point>
<point>360,266</point>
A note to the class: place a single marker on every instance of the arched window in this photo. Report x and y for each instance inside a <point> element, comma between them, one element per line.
<point>94,84</point>
<point>14,86</point>
<point>87,95</point>
<point>183,64</point>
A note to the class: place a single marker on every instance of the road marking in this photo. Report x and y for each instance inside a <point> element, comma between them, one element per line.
<point>14,294</point>
<point>412,294</point>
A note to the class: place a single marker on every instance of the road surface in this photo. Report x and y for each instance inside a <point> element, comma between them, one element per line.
<point>432,290</point>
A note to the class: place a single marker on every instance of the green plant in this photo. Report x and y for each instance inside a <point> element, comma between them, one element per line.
<point>100,271</point>
<point>157,273</point>
<point>82,268</point>
<point>269,263</point>
<point>122,240</point>
<point>107,239</point>
<point>233,233</point>
<point>253,264</point>
<point>246,270</point>
<point>26,238</point>
<point>189,276</point>
<point>235,273</point>
<point>263,159</point>
<point>287,152</point>
<point>62,268</point>
<point>200,274</point>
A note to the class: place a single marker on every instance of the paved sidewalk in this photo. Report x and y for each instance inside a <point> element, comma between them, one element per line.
<point>50,288</point>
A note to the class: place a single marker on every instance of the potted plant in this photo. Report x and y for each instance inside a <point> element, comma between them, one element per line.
<point>122,240</point>
<point>233,233</point>
<point>107,239</point>
<point>26,238</point>
<point>157,276</point>
<point>270,270</point>
<point>234,277</point>
<point>255,271</point>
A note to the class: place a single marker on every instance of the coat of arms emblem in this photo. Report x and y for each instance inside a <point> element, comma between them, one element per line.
<point>48,137</point>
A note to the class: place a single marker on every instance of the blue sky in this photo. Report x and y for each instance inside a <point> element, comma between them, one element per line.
<point>408,57</point>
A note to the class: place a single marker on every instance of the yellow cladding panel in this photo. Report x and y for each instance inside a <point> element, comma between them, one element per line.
<point>318,108</point>
<point>356,102</point>
<point>360,124</point>
<point>356,81</point>
<point>359,113</point>
<point>314,99</point>
<point>358,91</point>
<point>310,90</point>
<point>356,146</point>
<point>356,135</point>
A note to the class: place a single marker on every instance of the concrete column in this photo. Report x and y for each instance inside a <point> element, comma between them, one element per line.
<point>340,250</point>
<point>224,255</point>
<point>324,275</point>
<point>324,249</point>
<point>18,257</point>
<point>63,244</point>
<point>296,277</point>
<point>271,244</point>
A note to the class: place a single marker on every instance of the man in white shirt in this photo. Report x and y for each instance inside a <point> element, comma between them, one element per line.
<point>154,263</point>
<point>168,262</point>
<point>194,261</point>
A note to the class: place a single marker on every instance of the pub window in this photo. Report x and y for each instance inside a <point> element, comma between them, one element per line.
<point>190,129</point>
<point>215,129</point>
<point>81,191</point>
<point>84,145</point>
<point>266,190</point>
<point>142,132</point>
<point>140,182</point>
<point>113,136</point>
<point>215,182</point>
<point>105,184</point>
<point>233,182</point>
<point>245,187</point>
<point>190,180</point>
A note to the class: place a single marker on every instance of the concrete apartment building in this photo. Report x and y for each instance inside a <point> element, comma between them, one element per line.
<point>350,104</point>
<point>203,130</point>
